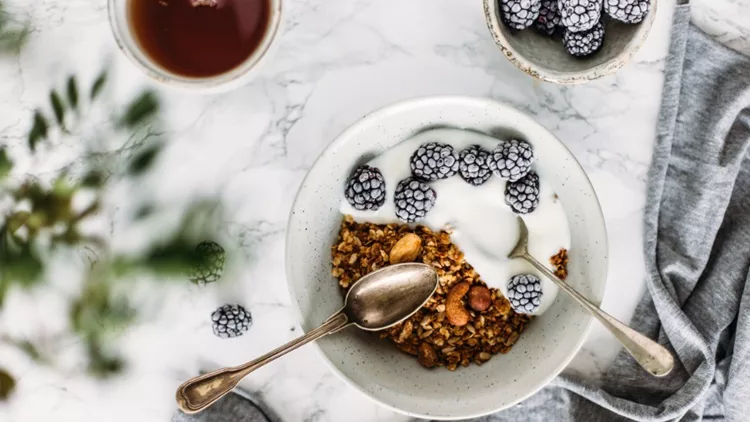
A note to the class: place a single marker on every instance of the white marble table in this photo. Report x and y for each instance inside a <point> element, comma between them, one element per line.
<point>337,60</point>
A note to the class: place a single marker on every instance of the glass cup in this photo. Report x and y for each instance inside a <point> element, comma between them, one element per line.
<point>231,79</point>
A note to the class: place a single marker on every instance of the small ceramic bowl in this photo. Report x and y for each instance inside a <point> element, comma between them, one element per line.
<point>376,367</point>
<point>546,58</point>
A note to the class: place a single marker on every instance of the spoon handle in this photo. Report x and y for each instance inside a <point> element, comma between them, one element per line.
<point>652,356</point>
<point>200,392</point>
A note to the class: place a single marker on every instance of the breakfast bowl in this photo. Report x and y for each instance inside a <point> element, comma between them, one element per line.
<point>545,57</point>
<point>375,366</point>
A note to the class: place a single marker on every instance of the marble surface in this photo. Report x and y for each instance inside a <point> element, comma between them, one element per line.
<point>337,60</point>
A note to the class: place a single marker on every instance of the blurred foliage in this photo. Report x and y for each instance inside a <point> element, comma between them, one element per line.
<point>13,34</point>
<point>42,219</point>
<point>98,313</point>
<point>7,384</point>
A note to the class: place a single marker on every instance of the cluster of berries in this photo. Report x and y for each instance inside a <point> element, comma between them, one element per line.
<point>579,21</point>
<point>413,197</point>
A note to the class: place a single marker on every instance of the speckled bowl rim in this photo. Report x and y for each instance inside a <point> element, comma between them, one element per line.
<point>549,75</point>
<point>346,136</point>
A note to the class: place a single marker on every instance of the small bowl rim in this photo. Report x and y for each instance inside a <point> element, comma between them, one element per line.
<point>565,78</point>
<point>347,133</point>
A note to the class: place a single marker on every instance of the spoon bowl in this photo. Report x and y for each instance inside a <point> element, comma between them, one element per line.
<point>390,295</point>
<point>376,301</point>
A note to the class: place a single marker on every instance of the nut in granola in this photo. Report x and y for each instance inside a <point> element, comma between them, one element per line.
<point>427,355</point>
<point>406,249</point>
<point>454,305</point>
<point>480,298</point>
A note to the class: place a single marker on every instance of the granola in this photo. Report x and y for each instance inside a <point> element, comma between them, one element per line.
<point>364,247</point>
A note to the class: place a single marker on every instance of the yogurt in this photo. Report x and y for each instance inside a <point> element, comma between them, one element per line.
<point>482,224</point>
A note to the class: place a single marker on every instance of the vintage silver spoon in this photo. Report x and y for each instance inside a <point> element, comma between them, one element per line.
<point>375,302</point>
<point>652,356</point>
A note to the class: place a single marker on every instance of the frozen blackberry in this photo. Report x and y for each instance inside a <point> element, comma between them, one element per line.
<point>433,161</point>
<point>580,15</point>
<point>511,160</point>
<point>231,321</point>
<point>525,293</point>
<point>584,43</point>
<point>519,14</point>
<point>628,11</point>
<point>413,200</point>
<point>523,196</point>
<point>549,17</point>
<point>208,263</point>
<point>365,189</point>
<point>474,165</point>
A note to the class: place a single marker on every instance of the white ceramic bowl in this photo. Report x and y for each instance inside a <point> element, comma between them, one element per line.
<point>545,57</point>
<point>374,366</point>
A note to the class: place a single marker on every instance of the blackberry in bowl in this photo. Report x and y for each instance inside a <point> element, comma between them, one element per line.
<point>550,49</point>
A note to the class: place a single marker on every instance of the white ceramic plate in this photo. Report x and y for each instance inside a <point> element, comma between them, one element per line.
<point>375,367</point>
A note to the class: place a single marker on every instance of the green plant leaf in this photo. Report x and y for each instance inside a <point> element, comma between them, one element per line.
<point>93,179</point>
<point>20,266</point>
<point>17,220</point>
<point>38,129</point>
<point>57,107</point>
<point>98,85</point>
<point>144,211</point>
<point>6,165</point>
<point>143,160</point>
<point>97,311</point>
<point>71,89</point>
<point>31,350</point>
<point>140,109</point>
<point>7,384</point>
<point>11,39</point>
<point>101,363</point>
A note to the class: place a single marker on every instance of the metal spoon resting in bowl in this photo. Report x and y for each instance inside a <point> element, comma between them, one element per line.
<point>375,302</point>
<point>652,356</point>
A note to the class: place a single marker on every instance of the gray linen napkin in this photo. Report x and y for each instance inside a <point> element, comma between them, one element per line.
<point>697,249</point>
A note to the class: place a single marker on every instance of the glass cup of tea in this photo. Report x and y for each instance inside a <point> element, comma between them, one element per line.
<point>201,45</point>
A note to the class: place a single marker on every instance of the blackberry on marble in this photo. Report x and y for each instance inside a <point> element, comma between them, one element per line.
<point>511,160</point>
<point>434,161</point>
<point>231,321</point>
<point>208,263</point>
<point>413,200</point>
<point>519,14</point>
<point>523,195</point>
<point>580,15</point>
<point>525,293</point>
<point>628,11</point>
<point>474,165</point>
<point>549,17</point>
<point>365,189</point>
<point>584,43</point>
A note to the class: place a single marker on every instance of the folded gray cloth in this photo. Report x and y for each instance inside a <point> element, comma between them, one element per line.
<point>697,249</point>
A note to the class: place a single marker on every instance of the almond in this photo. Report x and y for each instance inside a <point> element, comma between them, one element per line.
<point>406,249</point>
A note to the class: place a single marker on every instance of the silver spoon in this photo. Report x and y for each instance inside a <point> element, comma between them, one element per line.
<point>375,302</point>
<point>652,356</point>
